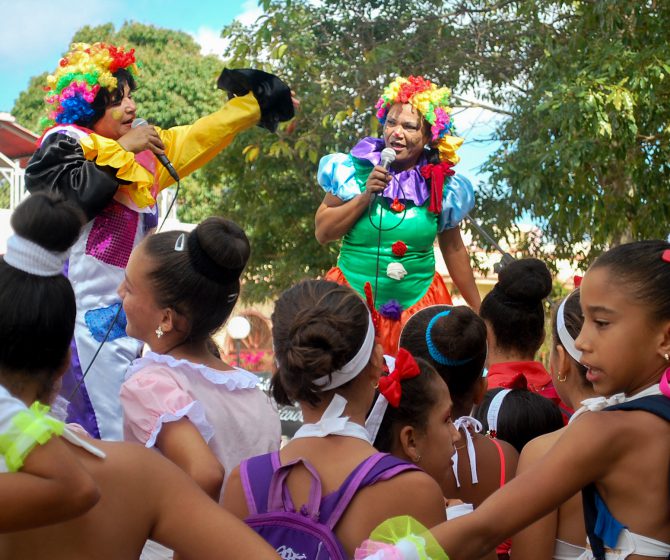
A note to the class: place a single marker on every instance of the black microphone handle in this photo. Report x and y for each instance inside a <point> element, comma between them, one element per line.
<point>168,165</point>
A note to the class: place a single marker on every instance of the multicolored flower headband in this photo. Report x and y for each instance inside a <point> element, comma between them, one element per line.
<point>433,104</point>
<point>79,76</point>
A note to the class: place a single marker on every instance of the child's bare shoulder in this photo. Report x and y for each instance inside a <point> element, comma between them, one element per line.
<point>537,448</point>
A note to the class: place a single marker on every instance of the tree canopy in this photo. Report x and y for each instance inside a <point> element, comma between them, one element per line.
<point>582,87</point>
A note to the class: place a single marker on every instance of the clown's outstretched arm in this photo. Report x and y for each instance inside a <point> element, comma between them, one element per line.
<point>256,98</point>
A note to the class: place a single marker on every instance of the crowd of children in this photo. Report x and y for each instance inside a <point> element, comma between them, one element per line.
<point>418,455</point>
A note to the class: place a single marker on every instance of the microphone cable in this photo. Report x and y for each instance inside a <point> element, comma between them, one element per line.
<point>118,311</point>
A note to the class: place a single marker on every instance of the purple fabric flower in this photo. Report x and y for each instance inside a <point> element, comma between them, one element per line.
<point>404,185</point>
<point>391,310</point>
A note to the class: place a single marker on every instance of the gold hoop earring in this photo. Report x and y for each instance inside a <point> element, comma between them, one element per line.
<point>375,385</point>
<point>159,332</point>
<point>561,379</point>
<point>417,459</point>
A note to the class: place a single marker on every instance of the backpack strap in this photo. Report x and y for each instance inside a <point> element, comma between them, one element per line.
<point>656,404</point>
<point>279,498</point>
<point>260,469</point>
<point>369,472</point>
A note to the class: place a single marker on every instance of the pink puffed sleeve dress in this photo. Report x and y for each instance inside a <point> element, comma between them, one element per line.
<point>234,416</point>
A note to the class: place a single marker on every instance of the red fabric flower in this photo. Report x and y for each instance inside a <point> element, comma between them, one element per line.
<point>397,206</point>
<point>577,280</point>
<point>436,172</point>
<point>399,248</point>
<point>666,255</point>
<point>414,85</point>
<point>405,368</point>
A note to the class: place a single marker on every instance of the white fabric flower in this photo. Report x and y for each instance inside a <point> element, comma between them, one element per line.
<point>596,404</point>
<point>396,271</point>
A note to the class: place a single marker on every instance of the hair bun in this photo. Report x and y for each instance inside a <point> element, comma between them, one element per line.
<point>526,281</point>
<point>48,220</point>
<point>219,250</point>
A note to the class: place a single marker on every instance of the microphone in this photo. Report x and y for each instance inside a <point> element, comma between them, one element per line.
<point>161,157</point>
<point>388,157</point>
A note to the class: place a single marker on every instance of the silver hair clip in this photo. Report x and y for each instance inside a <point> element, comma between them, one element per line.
<point>179,244</point>
<point>232,297</point>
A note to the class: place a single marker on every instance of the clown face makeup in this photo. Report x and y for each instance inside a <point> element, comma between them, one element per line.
<point>118,117</point>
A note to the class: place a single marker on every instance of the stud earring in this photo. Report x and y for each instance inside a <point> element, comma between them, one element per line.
<point>159,332</point>
<point>667,357</point>
<point>561,379</point>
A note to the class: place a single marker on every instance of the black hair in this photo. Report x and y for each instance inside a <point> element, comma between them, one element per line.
<point>37,313</point>
<point>459,336</point>
<point>416,401</point>
<point>523,416</point>
<point>317,327</point>
<point>201,282</point>
<point>104,98</point>
<point>574,319</point>
<point>514,307</point>
<point>640,265</point>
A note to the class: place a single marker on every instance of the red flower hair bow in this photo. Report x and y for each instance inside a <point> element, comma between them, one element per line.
<point>405,368</point>
<point>436,172</point>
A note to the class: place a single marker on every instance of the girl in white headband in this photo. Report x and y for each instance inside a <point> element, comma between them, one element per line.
<point>329,362</point>
<point>41,481</point>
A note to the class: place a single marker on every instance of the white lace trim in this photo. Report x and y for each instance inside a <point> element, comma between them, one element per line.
<point>235,379</point>
<point>195,413</point>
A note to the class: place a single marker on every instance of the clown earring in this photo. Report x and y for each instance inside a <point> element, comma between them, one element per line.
<point>159,332</point>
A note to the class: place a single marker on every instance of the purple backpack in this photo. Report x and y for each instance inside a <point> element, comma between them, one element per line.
<point>307,534</point>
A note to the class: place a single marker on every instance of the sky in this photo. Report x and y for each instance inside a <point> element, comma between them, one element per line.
<point>34,34</point>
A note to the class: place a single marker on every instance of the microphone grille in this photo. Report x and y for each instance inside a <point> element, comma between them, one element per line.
<point>388,154</point>
<point>139,122</point>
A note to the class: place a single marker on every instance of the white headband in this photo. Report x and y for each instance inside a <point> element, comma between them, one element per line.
<point>564,336</point>
<point>32,258</point>
<point>494,410</point>
<point>354,366</point>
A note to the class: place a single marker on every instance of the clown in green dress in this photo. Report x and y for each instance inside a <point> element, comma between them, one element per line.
<point>388,220</point>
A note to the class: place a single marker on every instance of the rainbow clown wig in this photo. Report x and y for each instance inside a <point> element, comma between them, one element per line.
<point>81,73</point>
<point>433,104</point>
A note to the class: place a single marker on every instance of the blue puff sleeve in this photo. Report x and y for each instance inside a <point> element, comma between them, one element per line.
<point>336,176</point>
<point>458,199</point>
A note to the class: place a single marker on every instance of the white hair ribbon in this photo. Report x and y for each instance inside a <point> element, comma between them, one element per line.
<point>354,366</point>
<point>32,258</point>
<point>494,410</point>
<point>564,336</point>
